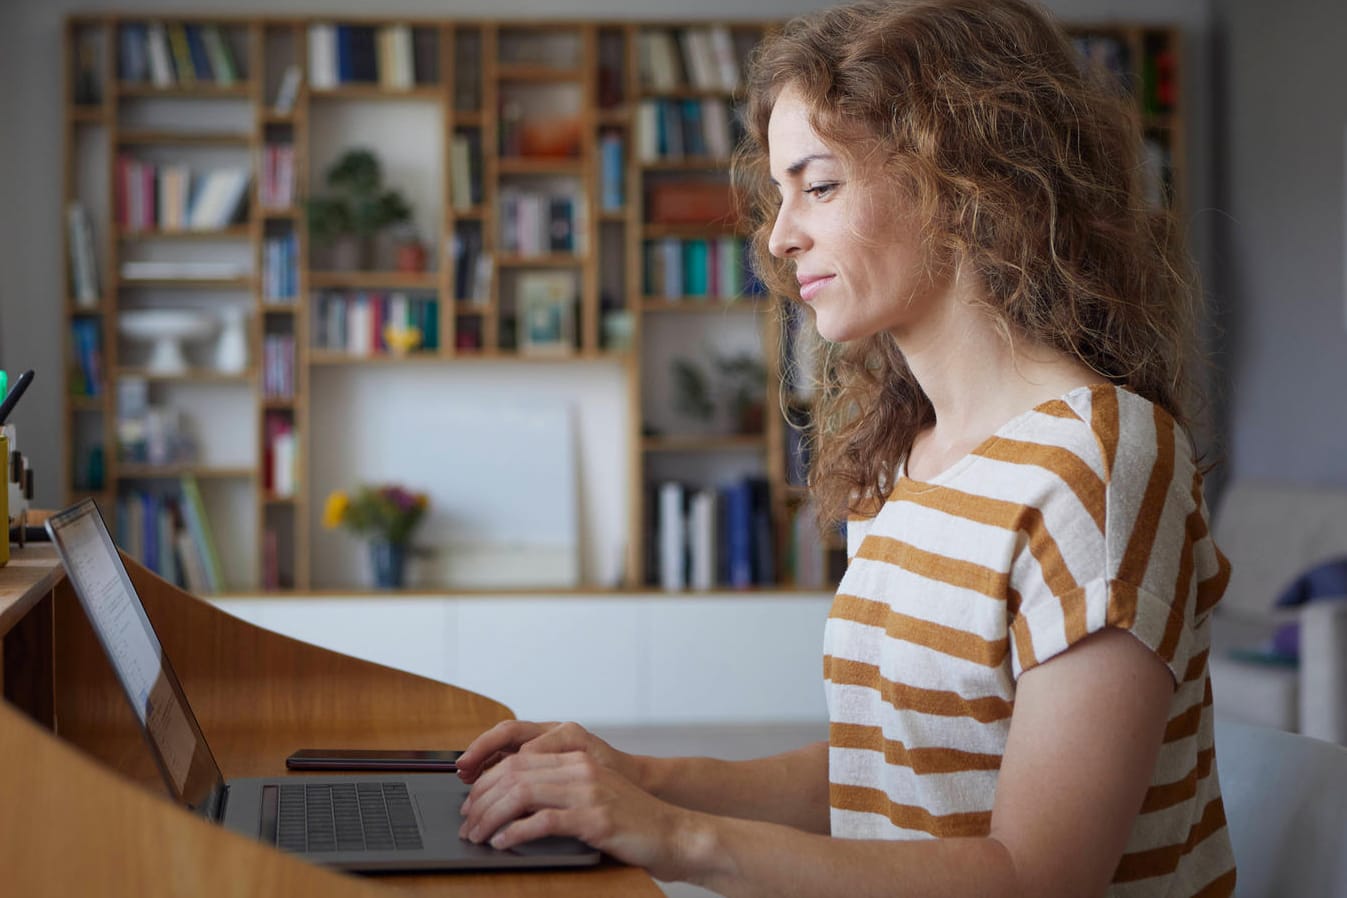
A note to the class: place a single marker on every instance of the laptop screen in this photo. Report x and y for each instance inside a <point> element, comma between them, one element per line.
<point>118,618</point>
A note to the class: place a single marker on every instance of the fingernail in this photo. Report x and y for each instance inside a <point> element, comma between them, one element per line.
<point>463,831</point>
<point>497,841</point>
<point>475,836</point>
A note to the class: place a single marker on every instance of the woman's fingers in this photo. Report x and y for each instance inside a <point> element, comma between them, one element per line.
<point>502,739</point>
<point>520,788</point>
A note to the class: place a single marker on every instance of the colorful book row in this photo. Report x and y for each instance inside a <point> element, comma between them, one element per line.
<point>171,535</point>
<point>699,268</point>
<point>176,54</point>
<point>704,538</point>
<point>357,323</point>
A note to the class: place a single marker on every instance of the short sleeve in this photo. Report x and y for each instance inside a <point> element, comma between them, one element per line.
<point>1151,570</point>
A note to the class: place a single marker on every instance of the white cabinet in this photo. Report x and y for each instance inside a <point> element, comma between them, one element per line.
<point>603,660</point>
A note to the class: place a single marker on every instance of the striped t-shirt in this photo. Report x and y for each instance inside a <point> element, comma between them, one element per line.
<point>1083,513</point>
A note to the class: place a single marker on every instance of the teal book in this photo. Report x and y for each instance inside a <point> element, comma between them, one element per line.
<point>696,268</point>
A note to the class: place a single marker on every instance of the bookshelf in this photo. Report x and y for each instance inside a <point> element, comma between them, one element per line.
<point>585,161</point>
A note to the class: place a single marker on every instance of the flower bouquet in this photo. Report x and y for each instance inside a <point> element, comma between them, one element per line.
<point>384,514</point>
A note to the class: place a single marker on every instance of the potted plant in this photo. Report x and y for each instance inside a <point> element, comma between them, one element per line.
<point>744,379</point>
<point>386,515</point>
<point>357,210</point>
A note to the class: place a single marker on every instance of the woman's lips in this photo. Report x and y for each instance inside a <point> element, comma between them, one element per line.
<point>810,286</point>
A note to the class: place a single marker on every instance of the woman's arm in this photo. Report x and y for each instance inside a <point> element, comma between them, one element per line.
<point>1084,739</point>
<point>789,788</point>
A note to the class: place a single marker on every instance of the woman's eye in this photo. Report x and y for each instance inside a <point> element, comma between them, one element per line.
<point>821,191</point>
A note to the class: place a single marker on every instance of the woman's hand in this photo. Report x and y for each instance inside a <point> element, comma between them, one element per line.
<point>522,737</point>
<point>536,793</point>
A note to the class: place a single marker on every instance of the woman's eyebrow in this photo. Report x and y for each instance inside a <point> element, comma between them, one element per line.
<point>802,163</point>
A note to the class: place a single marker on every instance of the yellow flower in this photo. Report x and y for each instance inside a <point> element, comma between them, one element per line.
<point>335,509</point>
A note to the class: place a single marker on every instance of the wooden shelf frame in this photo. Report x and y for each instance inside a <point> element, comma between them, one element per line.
<point>613,239</point>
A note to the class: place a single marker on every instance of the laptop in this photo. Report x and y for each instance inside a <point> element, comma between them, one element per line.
<point>365,822</point>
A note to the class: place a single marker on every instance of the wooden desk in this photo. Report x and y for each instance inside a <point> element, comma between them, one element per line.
<point>82,808</point>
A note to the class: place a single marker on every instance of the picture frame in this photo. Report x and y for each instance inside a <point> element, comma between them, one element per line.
<point>544,312</point>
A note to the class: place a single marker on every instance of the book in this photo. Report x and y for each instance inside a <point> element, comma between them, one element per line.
<point>182,54</point>
<point>160,58</point>
<point>323,56</point>
<point>612,171</point>
<point>198,524</point>
<point>218,200</point>
<point>196,49</point>
<point>83,264</point>
<point>220,55</point>
<point>672,538</point>
<point>288,91</point>
<point>702,540</point>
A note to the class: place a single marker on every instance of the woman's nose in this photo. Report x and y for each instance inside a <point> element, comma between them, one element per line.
<point>787,237</point>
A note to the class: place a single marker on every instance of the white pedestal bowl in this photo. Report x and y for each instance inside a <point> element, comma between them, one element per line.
<point>166,330</point>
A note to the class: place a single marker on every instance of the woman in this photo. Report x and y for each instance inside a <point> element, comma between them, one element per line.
<point>1015,662</point>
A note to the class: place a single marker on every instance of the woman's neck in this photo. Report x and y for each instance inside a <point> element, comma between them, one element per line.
<point>978,377</point>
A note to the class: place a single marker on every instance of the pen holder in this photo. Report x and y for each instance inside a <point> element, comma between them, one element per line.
<point>4,499</point>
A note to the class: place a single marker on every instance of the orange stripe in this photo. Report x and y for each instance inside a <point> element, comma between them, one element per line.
<point>1104,422</point>
<point>1165,860</point>
<point>1182,587</point>
<point>1222,886</point>
<point>936,637</point>
<point>1210,590</point>
<point>1166,795</point>
<point>1122,604</point>
<point>1142,540</point>
<point>1058,409</point>
<point>1069,467</point>
<point>904,697</point>
<point>874,801</point>
<point>1015,518</point>
<point>1024,643</point>
<point>922,761</point>
<point>941,568</point>
<point>1196,666</point>
<point>1184,724</point>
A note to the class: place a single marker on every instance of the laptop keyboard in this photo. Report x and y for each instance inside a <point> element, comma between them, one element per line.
<point>313,818</point>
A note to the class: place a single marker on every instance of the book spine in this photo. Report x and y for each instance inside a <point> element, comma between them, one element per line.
<point>673,538</point>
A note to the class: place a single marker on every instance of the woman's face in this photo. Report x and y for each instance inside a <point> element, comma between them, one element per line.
<point>858,255</point>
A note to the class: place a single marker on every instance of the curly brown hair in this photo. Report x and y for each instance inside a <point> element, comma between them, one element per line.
<point>1021,163</point>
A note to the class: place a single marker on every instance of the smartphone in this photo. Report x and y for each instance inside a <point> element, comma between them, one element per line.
<point>372,759</point>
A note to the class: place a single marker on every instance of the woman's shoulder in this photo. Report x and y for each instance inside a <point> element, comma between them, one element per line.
<point>1121,429</point>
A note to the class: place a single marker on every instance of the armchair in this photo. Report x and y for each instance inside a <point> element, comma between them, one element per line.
<point>1272,534</point>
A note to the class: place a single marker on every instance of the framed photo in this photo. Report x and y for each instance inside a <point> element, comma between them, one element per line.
<point>544,304</point>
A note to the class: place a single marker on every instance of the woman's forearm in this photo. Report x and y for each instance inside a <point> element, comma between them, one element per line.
<point>790,788</point>
<point>748,859</point>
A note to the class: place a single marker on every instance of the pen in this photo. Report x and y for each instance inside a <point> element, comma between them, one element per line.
<point>14,395</point>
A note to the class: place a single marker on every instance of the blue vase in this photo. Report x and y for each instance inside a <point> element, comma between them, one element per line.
<point>389,561</point>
